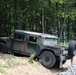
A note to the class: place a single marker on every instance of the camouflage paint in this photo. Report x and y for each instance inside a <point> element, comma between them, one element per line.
<point>7,41</point>
<point>20,46</point>
<point>32,48</point>
<point>24,46</point>
<point>8,44</point>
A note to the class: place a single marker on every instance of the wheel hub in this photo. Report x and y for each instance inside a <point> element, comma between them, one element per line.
<point>47,59</point>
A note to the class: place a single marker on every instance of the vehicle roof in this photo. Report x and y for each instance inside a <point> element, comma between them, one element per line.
<point>36,33</point>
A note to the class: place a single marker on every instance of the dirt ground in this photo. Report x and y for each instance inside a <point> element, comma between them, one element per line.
<point>18,65</point>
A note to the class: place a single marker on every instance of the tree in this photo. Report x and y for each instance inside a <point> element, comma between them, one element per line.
<point>15,13</point>
<point>56,17</point>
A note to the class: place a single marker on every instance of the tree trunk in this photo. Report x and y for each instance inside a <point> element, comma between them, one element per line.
<point>42,20</point>
<point>15,13</point>
<point>75,26</point>
<point>58,20</point>
<point>23,14</point>
<point>36,25</point>
<point>32,22</point>
<point>68,29</point>
<point>58,26</point>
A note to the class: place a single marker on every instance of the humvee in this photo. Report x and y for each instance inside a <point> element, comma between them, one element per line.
<point>45,47</point>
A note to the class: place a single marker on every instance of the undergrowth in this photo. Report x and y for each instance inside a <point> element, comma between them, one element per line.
<point>2,67</point>
<point>31,58</point>
<point>12,62</point>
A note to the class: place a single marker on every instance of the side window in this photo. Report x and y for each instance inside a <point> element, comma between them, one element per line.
<point>33,39</point>
<point>20,37</point>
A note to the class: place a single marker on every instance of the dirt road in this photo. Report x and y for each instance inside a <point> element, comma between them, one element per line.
<point>21,66</point>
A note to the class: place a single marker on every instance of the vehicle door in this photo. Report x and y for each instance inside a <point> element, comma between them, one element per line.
<point>32,44</point>
<point>19,44</point>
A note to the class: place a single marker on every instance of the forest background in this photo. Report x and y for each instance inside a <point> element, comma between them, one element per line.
<point>57,17</point>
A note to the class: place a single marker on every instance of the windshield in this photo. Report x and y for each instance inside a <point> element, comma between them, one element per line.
<point>50,41</point>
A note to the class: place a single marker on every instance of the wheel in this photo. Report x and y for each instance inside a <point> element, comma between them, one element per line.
<point>71,49</point>
<point>3,48</point>
<point>47,59</point>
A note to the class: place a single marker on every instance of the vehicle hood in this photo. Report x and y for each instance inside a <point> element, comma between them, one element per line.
<point>57,47</point>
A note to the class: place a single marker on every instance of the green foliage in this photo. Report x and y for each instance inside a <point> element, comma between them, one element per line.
<point>12,62</point>
<point>65,43</point>
<point>4,64</point>
<point>31,58</point>
<point>29,16</point>
<point>2,67</point>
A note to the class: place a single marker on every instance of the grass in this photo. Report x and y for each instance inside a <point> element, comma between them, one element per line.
<point>2,67</point>
<point>7,63</point>
<point>12,62</point>
<point>31,58</point>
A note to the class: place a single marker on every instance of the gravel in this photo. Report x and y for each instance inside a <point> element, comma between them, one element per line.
<point>67,71</point>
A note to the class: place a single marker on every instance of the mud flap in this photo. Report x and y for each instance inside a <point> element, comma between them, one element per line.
<point>62,58</point>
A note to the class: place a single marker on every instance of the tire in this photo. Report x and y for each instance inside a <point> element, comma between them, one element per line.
<point>3,48</point>
<point>71,49</point>
<point>47,59</point>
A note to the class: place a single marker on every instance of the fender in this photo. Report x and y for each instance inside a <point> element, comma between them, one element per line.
<point>6,41</point>
<point>3,41</point>
<point>56,50</point>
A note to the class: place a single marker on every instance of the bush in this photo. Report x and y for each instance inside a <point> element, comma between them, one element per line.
<point>31,58</point>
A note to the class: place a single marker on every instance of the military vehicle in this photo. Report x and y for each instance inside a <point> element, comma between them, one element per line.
<point>45,47</point>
